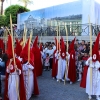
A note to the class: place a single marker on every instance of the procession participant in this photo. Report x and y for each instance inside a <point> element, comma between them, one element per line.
<point>30,80</point>
<point>99,48</point>
<point>85,69</point>
<point>14,83</point>
<point>61,62</point>
<point>93,78</point>
<point>37,58</point>
<point>2,46</point>
<point>18,49</point>
<point>55,62</point>
<point>72,66</point>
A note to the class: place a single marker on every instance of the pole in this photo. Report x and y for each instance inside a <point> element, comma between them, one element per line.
<point>14,55</point>
<point>59,36</point>
<point>90,28</point>
<point>66,71</point>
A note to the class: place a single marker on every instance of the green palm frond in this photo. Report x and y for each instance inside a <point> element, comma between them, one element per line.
<point>26,2</point>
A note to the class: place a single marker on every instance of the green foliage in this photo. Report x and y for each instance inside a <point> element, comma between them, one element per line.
<point>14,10</point>
<point>2,20</point>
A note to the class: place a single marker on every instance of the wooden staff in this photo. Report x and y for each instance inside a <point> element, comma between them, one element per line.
<point>67,55</point>
<point>14,55</point>
<point>29,47</point>
<point>12,38</point>
<point>59,41</point>
<point>57,37</point>
<point>29,53</point>
<point>90,28</point>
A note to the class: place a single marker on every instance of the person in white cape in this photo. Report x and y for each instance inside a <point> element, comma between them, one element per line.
<point>61,66</point>
<point>93,88</point>
<point>28,79</point>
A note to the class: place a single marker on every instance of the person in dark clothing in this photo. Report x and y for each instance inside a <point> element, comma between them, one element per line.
<point>3,61</point>
<point>85,50</point>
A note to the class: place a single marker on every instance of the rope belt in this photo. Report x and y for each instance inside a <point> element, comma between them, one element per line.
<point>13,74</point>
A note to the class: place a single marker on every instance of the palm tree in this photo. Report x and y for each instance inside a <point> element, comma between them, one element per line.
<point>1,6</point>
<point>26,2</point>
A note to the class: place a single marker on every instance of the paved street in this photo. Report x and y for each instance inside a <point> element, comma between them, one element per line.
<point>52,90</point>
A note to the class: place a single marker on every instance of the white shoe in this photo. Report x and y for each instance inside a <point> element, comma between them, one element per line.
<point>90,97</point>
<point>71,82</point>
<point>57,80</point>
<point>63,80</point>
<point>67,79</point>
<point>79,80</point>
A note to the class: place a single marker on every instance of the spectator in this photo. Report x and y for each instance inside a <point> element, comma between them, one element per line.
<point>47,64</point>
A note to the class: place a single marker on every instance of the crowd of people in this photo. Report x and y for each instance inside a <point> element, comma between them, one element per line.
<point>19,68</point>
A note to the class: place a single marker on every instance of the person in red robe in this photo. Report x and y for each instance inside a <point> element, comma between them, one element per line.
<point>14,82</point>
<point>85,69</point>
<point>2,45</point>
<point>9,95</point>
<point>85,58</point>
<point>72,68</point>
<point>37,58</point>
<point>18,49</point>
<point>29,72</point>
<point>55,63</point>
<point>54,66</point>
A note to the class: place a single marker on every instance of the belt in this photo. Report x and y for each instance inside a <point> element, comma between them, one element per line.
<point>13,74</point>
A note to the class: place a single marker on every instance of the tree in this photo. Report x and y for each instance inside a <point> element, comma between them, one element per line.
<point>26,2</point>
<point>14,10</point>
<point>2,1</point>
<point>2,20</point>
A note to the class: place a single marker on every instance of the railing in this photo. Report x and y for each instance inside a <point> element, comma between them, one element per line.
<point>73,30</point>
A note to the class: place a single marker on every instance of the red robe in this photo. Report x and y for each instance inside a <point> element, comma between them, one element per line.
<point>84,75</point>
<point>72,67</point>
<point>99,58</point>
<point>37,61</point>
<point>2,45</point>
<point>22,93</point>
<point>54,66</point>
<point>36,90</point>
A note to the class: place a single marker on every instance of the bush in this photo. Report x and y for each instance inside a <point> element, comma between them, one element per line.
<point>2,20</point>
<point>14,10</point>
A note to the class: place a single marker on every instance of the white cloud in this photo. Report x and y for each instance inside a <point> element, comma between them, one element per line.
<point>38,4</point>
<point>97,1</point>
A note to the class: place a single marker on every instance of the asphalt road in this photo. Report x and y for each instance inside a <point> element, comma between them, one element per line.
<point>50,89</point>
